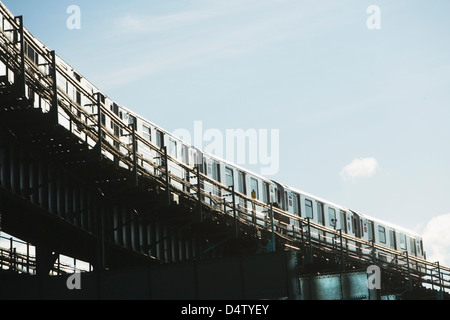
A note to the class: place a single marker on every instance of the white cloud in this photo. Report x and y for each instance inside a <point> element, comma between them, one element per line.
<point>436,239</point>
<point>361,167</point>
<point>131,23</point>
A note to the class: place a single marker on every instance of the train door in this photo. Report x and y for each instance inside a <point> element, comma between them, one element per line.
<point>242,188</point>
<point>320,214</point>
<point>419,248</point>
<point>370,231</point>
<point>279,197</point>
<point>342,221</point>
<point>309,209</point>
<point>288,201</point>
<point>332,218</point>
<point>402,241</point>
<point>358,231</point>
<point>332,222</point>
<point>272,194</point>
<point>310,213</point>
<point>349,223</point>
<point>321,219</point>
<point>356,226</point>
<point>356,223</point>
<point>412,246</point>
<point>254,190</point>
<point>343,226</point>
<point>392,239</point>
<point>265,193</point>
<point>296,208</point>
<point>159,138</point>
<point>229,177</point>
<point>350,230</point>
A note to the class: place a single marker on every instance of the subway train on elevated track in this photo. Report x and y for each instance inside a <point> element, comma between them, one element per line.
<point>251,185</point>
<point>80,93</point>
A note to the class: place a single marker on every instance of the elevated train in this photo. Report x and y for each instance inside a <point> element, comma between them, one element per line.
<point>296,204</point>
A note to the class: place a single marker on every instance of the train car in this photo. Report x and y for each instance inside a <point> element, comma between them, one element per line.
<point>397,238</point>
<point>317,210</point>
<point>353,223</point>
<point>248,185</point>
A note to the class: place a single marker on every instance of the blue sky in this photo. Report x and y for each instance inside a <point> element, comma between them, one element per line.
<point>362,114</point>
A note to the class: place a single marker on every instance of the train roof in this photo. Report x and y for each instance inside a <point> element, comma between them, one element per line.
<point>316,197</point>
<point>389,224</point>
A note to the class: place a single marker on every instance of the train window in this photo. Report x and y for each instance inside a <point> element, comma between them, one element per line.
<point>185,154</point>
<point>102,97</point>
<point>159,139</point>
<point>173,148</point>
<point>382,234</point>
<point>412,243</point>
<point>254,188</point>
<point>77,76</point>
<point>147,132</point>
<point>265,193</point>
<point>115,108</point>
<point>241,182</point>
<point>320,214</point>
<point>61,82</point>
<point>31,53</point>
<point>332,216</point>
<point>419,247</point>
<point>78,97</point>
<point>343,225</point>
<point>196,159</point>
<point>215,171</point>
<point>286,202</point>
<point>402,241</point>
<point>295,203</point>
<point>370,230</point>
<point>392,239</point>
<point>132,121</point>
<point>69,87</point>
<point>308,209</point>
<point>229,181</point>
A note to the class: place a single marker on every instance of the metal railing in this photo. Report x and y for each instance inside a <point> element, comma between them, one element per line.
<point>19,257</point>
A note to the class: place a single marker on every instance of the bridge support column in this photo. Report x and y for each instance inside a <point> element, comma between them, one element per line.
<point>100,259</point>
<point>45,259</point>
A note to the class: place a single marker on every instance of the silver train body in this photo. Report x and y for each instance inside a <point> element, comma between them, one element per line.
<point>296,204</point>
<point>285,198</point>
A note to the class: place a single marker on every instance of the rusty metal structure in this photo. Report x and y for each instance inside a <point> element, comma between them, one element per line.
<point>69,186</point>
